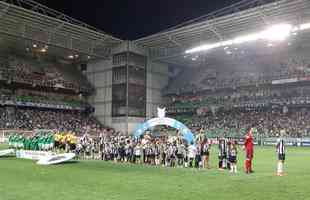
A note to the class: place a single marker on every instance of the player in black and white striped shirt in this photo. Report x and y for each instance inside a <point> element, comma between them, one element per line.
<point>281,156</point>
<point>222,153</point>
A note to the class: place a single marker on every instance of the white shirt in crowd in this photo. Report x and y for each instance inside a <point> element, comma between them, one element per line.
<point>192,150</point>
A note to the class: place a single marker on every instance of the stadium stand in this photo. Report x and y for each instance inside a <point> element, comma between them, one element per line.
<point>268,122</point>
<point>237,72</point>
<point>43,74</point>
<point>43,94</point>
<point>227,99</point>
<point>35,118</point>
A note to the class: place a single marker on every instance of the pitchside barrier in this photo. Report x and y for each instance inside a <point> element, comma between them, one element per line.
<point>296,142</point>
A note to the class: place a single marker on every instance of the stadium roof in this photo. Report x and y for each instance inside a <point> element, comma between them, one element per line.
<point>242,18</point>
<point>24,22</point>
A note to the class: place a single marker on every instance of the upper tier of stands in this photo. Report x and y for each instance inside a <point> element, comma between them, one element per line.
<point>239,72</point>
<point>252,97</point>
<point>43,74</point>
<point>42,99</point>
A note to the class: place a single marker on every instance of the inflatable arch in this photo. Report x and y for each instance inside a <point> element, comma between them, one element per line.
<point>187,134</point>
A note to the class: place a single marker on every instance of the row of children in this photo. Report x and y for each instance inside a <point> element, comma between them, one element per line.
<point>175,153</point>
<point>178,153</point>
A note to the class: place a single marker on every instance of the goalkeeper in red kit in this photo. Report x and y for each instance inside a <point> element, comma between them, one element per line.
<point>249,150</point>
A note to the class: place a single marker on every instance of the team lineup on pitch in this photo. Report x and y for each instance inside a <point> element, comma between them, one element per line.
<point>107,180</point>
<point>174,151</point>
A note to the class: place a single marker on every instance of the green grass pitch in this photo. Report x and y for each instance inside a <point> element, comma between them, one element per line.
<point>92,180</point>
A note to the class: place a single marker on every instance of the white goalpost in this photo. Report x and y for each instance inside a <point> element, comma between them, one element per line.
<point>5,134</point>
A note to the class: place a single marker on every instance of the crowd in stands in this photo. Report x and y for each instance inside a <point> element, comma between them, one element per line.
<point>18,70</point>
<point>248,98</point>
<point>233,123</point>
<point>238,72</point>
<point>32,96</point>
<point>35,97</point>
<point>229,112</point>
<point>61,120</point>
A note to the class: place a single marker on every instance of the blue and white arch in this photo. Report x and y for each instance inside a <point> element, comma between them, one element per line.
<point>186,132</point>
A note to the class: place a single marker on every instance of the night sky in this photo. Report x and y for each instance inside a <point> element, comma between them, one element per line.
<point>132,19</point>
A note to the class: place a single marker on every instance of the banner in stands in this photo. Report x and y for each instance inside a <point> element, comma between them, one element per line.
<point>41,105</point>
<point>307,78</point>
<point>162,120</point>
<point>32,155</point>
<point>283,81</point>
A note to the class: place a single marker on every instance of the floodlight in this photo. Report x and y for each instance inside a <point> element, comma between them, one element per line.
<point>203,48</point>
<point>270,45</point>
<point>227,43</point>
<point>304,26</point>
<point>277,32</point>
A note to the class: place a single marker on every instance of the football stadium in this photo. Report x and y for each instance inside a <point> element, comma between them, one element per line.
<point>216,107</point>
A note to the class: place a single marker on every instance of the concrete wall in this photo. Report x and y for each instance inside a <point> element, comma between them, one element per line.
<point>99,73</point>
<point>157,79</point>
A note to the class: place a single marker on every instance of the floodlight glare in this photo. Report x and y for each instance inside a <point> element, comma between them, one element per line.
<point>203,48</point>
<point>304,26</point>
<point>227,43</point>
<point>277,32</point>
<point>247,38</point>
